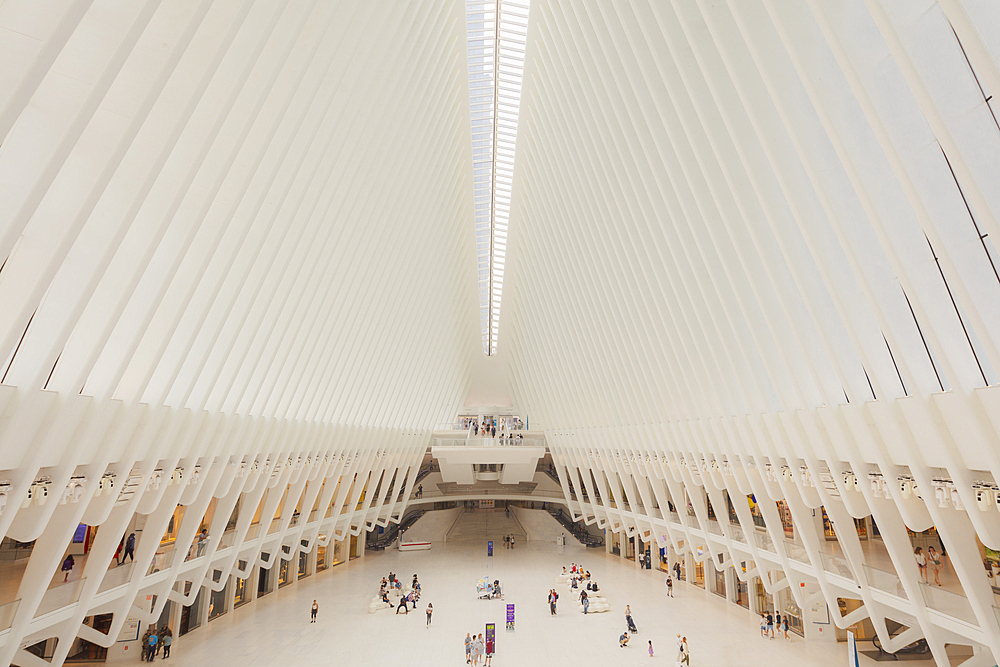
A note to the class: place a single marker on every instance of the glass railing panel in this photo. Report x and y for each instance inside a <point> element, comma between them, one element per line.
<point>253,532</point>
<point>60,596</point>
<point>948,603</point>
<point>161,561</point>
<point>736,533</point>
<point>228,539</point>
<point>313,515</point>
<point>884,581</point>
<point>273,528</point>
<point>714,527</point>
<point>796,551</point>
<point>764,541</point>
<point>674,517</point>
<point>7,612</point>
<point>116,577</point>
<point>836,565</point>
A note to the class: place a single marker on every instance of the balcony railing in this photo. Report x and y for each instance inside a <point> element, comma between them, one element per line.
<point>881,580</point>
<point>60,596</point>
<point>7,612</point>
<point>948,603</point>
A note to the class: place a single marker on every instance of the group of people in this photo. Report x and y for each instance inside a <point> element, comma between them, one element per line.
<point>475,650</point>
<point>769,622</point>
<point>577,576</point>
<point>153,640</point>
<point>407,600</point>
<point>508,540</point>
<point>933,561</point>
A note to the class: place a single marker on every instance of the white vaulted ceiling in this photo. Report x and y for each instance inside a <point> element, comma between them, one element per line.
<point>253,208</point>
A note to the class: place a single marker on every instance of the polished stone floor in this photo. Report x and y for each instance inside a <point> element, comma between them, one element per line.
<point>276,630</point>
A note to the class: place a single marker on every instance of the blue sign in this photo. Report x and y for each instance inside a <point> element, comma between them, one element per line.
<point>489,548</point>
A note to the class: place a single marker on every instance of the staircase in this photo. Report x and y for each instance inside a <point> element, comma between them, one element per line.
<point>482,525</point>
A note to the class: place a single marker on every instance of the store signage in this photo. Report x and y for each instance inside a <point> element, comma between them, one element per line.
<point>510,616</point>
<point>491,638</point>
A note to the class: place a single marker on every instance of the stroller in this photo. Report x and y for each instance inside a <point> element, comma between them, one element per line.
<point>631,625</point>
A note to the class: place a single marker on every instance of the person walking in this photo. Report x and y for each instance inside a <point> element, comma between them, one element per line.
<point>430,610</point>
<point>784,627</point>
<point>67,567</point>
<point>650,648</point>
<point>763,625</point>
<point>770,626</point>
<point>934,563</point>
<point>685,652</point>
<point>144,645</point>
<point>680,649</point>
<point>670,587</point>
<point>918,554</point>
<point>477,650</point>
<point>585,600</point>
<point>511,541</point>
<point>677,570</point>
<point>313,612</point>
<point>468,648</point>
<point>118,551</point>
<point>129,548</point>
<point>168,639</point>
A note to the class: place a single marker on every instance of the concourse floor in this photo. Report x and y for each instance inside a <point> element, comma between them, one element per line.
<point>275,630</point>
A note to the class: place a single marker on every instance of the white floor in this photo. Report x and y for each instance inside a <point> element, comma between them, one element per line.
<point>276,629</point>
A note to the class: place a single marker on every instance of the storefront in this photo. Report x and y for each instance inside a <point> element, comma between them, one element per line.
<point>241,592</point>
<point>763,602</point>
<point>742,597</point>
<point>284,573</point>
<point>699,574</point>
<point>719,582</point>
<point>863,629</point>
<point>263,582</point>
<point>304,564</point>
<point>218,601</point>
<point>191,614</point>
<point>789,610</point>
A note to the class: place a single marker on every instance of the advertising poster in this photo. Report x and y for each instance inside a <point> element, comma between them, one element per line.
<point>491,638</point>
<point>510,616</point>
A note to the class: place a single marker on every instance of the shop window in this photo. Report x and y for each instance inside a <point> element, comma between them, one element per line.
<point>263,582</point>
<point>217,603</point>
<point>284,574</point>
<point>241,592</point>
<point>191,614</point>
<point>321,558</point>
<point>303,564</point>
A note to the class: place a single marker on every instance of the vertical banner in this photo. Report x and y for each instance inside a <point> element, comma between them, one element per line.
<point>510,616</point>
<point>852,650</point>
<point>491,638</point>
<point>489,548</point>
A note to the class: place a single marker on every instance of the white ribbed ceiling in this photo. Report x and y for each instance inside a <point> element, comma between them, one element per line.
<point>719,209</point>
<point>260,208</point>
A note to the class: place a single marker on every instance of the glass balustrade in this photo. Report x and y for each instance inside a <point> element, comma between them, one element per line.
<point>736,533</point>
<point>161,561</point>
<point>796,551</point>
<point>948,603</point>
<point>7,612</point>
<point>714,527</point>
<point>228,539</point>
<point>116,577</point>
<point>836,565</point>
<point>887,582</point>
<point>60,596</point>
<point>764,541</point>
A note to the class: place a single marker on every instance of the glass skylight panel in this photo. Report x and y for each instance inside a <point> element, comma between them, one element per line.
<point>497,34</point>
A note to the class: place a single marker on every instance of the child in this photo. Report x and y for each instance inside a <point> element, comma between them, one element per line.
<point>650,648</point>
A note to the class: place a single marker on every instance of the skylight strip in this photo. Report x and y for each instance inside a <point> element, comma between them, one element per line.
<point>497,32</point>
